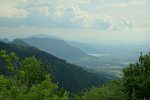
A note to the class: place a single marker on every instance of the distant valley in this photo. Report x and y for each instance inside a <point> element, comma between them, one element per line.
<point>106,58</point>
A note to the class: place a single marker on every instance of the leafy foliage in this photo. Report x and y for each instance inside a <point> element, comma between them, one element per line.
<point>28,82</point>
<point>31,72</point>
<point>111,91</point>
<point>137,78</point>
<point>10,61</point>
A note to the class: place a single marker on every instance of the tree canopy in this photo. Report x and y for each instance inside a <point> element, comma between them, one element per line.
<point>28,79</point>
<point>137,78</point>
<point>29,82</point>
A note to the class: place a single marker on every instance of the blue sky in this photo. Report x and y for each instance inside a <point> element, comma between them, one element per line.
<point>81,20</point>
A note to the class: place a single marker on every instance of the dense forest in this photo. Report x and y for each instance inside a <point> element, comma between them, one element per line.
<point>26,76</point>
<point>68,76</point>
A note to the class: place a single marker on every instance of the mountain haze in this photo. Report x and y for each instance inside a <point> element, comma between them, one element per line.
<point>19,43</point>
<point>68,76</point>
<point>56,47</point>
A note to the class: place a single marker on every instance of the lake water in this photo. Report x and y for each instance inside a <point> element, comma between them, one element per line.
<point>98,55</point>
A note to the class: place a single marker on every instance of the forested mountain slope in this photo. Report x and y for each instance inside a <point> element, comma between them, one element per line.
<point>68,76</point>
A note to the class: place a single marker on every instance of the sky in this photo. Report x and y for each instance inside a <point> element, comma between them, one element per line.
<point>78,20</point>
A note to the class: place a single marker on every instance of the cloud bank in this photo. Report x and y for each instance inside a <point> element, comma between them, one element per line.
<point>98,15</point>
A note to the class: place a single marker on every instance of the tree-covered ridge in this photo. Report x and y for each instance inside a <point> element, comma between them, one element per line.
<point>70,77</point>
<point>28,79</point>
<point>28,82</point>
<point>19,42</point>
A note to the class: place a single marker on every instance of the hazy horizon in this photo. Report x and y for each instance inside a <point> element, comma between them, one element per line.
<point>92,21</point>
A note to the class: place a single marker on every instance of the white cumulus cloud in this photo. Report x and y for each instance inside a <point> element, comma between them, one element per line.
<point>11,9</point>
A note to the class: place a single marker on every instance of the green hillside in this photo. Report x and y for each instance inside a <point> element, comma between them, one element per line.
<point>68,76</point>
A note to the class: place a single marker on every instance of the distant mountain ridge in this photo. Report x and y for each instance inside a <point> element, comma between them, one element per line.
<point>19,42</point>
<point>83,46</point>
<point>45,36</point>
<point>57,47</point>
